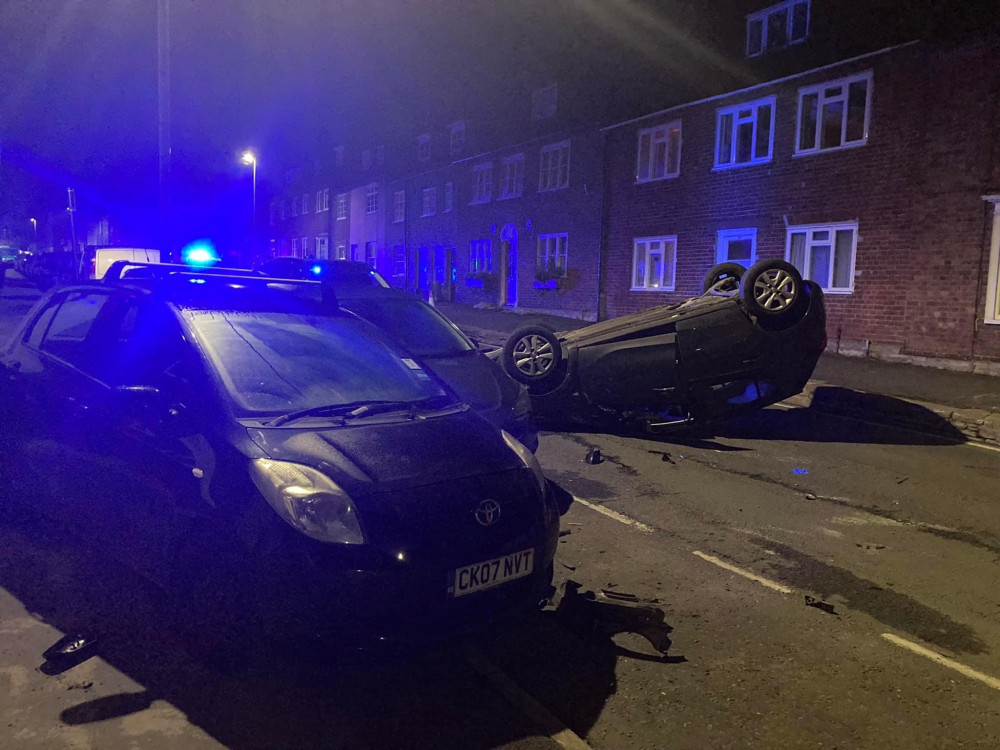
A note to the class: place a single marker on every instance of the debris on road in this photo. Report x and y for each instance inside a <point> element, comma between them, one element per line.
<point>664,456</point>
<point>810,496</point>
<point>594,456</point>
<point>819,604</point>
<point>68,652</point>
<point>800,472</point>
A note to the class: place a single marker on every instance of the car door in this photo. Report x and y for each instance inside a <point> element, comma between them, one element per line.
<point>57,360</point>
<point>156,447</point>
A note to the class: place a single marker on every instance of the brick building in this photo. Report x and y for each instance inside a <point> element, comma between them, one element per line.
<point>867,174</point>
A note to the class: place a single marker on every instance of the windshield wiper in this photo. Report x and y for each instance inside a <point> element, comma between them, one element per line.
<point>356,409</point>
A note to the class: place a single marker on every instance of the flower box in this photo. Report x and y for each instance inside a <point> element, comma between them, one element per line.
<point>550,284</point>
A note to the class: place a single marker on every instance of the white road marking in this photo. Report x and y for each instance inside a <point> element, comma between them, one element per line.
<point>984,446</point>
<point>745,573</point>
<point>535,711</point>
<point>621,518</point>
<point>934,656</point>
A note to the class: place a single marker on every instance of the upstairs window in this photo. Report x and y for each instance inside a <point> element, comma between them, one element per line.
<point>777,27</point>
<point>430,197</point>
<point>295,205</point>
<point>326,199</point>
<point>512,176</point>
<point>319,201</point>
<point>371,199</point>
<point>342,206</point>
<point>744,134</point>
<point>543,102</point>
<point>834,115</point>
<point>456,143</point>
<point>659,153</point>
<point>554,171</point>
<point>399,206</point>
<point>424,148</point>
<point>305,203</point>
<point>482,183</point>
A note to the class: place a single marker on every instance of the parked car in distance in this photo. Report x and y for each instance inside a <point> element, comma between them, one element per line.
<point>751,339</point>
<point>252,441</point>
<point>47,270</point>
<point>427,335</point>
<point>97,260</point>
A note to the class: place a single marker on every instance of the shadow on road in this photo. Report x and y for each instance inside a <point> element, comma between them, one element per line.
<point>565,656</point>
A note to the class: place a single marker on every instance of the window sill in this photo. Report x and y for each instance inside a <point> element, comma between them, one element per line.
<point>641,181</point>
<point>741,165</point>
<point>509,197</point>
<point>837,291</point>
<point>553,189</point>
<point>427,216</point>
<point>652,289</point>
<point>991,321</point>
<point>480,203</point>
<point>832,149</point>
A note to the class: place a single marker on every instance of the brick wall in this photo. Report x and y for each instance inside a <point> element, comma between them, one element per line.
<point>914,189</point>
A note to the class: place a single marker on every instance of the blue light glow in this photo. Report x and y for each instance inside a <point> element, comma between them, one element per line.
<point>317,270</point>
<point>200,253</point>
<point>197,281</point>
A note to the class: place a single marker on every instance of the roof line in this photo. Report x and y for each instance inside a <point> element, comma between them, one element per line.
<point>759,85</point>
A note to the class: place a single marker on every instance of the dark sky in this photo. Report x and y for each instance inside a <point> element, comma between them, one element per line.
<point>291,78</point>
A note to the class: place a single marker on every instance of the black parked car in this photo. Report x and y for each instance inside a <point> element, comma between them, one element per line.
<point>426,334</point>
<point>751,339</point>
<point>250,440</point>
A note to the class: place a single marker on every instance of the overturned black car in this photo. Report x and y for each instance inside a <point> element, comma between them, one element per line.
<point>752,338</point>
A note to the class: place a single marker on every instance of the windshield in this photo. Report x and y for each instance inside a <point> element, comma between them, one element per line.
<point>422,331</point>
<point>278,362</point>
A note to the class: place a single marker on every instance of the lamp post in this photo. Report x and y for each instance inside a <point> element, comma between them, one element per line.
<point>34,229</point>
<point>250,159</point>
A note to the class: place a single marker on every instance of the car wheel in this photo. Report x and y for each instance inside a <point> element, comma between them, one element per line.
<point>729,273</point>
<point>773,290</point>
<point>532,354</point>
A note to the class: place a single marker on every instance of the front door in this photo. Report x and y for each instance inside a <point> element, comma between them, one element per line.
<point>508,259</point>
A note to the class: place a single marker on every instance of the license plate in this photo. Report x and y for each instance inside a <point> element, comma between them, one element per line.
<point>486,575</point>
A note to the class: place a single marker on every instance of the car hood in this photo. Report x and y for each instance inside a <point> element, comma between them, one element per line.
<point>475,379</point>
<point>378,455</point>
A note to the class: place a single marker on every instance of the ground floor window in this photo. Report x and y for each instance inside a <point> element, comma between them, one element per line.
<point>480,256</point>
<point>341,251</point>
<point>398,261</point>
<point>371,253</point>
<point>737,246</point>
<point>993,281</point>
<point>654,263</point>
<point>295,247</point>
<point>323,247</point>
<point>553,254</point>
<point>824,253</point>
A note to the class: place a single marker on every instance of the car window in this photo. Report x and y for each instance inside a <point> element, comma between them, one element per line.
<point>275,362</point>
<point>149,348</point>
<point>67,334</point>
<point>418,328</point>
<point>34,335</point>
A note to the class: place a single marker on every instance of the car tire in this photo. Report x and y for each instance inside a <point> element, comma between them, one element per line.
<point>720,271</point>
<point>532,355</point>
<point>773,291</point>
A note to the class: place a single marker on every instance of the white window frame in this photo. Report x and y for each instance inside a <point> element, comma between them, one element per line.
<point>449,196</point>
<point>754,117</point>
<point>992,312</point>
<point>305,246</point>
<point>305,204</point>
<point>371,254</point>
<point>511,177</point>
<point>725,236</point>
<point>551,168</point>
<point>424,147</point>
<point>552,250</point>
<point>659,134</point>
<point>371,199</point>
<point>429,201</point>
<point>341,206</point>
<point>832,228</point>
<point>482,183</point>
<point>399,206</point>
<point>322,247</point>
<point>645,242</point>
<point>326,199</point>
<point>295,247</point>
<point>319,201</point>
<point>480,256</point>
<point>456,138</point>
<point>295,205</point>
<point>341,251</point>
<point>762,17</point>
<point>819,90</point>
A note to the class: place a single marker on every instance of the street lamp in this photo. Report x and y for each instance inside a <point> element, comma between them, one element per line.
<point>34,227</point>
<point>250,159</point>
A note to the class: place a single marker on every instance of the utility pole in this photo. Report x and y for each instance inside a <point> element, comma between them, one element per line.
<point>72,228</point>
<point>163,123</point>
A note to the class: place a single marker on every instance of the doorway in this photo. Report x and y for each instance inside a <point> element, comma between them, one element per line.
<point>508,260</point>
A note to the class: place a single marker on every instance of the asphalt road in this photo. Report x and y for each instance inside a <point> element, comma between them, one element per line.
<point>705,549</point>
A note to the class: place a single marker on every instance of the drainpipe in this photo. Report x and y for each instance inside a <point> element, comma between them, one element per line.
<point>602,312</point>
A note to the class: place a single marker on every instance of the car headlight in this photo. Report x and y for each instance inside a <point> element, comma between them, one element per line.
<point>527,458</point>
<point>308,500</point>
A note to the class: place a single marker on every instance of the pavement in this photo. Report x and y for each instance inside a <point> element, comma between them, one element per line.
<point>958,405</point>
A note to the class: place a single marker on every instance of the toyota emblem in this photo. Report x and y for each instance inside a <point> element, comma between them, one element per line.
<point>488,512</point>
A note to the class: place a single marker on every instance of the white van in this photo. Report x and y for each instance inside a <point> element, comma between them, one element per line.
<point>97,260</point>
